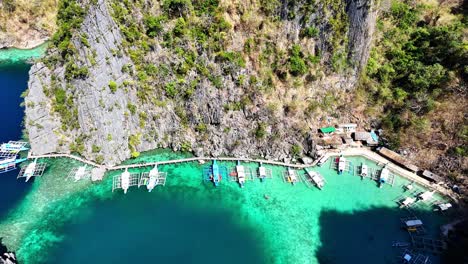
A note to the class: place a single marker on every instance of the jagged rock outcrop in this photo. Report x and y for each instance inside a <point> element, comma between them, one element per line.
<point>234,119</point>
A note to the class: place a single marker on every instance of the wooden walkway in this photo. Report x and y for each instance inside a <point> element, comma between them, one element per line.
<point>330,153</point>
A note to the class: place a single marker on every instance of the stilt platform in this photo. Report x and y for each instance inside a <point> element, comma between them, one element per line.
<point>416,227</point>
<point>427,244</point>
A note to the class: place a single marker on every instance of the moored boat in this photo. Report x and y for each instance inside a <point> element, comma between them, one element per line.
<point>215,177</point>
<point>364,170</point>
<point>292,178</point>
<point>384,173</point>
<point>153,178</point>
<point>125,180</point>
<point>316,178</point>
<point>341,164</point>
<point>240,174</point>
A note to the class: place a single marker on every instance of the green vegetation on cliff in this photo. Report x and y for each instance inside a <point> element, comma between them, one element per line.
<point>417,75</point>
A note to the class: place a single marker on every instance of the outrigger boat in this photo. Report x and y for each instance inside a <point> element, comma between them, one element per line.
<point>13,146</point>
<point>8,163</point>
<point>9,155</point>
<point>125,180</point>
<point>408,187</point>
<point>408,201</point>
<point>316,178</point>
<point>262,174</point>
<point>215,177</point>
<point>341,164</point>
<point>292,178</point>
<point>384,173</point>
<point>322,160</point>
<point>364,170</point>
<point>29,172</point>
<point>425,195</point>
<point>80,173</point>
<point>153,178</point>
<point>240,174</point>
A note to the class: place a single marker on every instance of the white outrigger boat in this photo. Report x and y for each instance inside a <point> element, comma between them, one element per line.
<point>14,146</point>
<point>80,173</point>
<point>153,178</point>
<point>341,164</point>
<point>384,173</point>
<point>292,177</point>
<point>30,169</point>
<point>316,178</point>
<point>408,187</point>
<point>262,174</point>
<point>240,174</point>
<point>9,155</point>
<point>364,170</point>
<point>425,196</point>
<point>125,180</point>
<point>408,201</point>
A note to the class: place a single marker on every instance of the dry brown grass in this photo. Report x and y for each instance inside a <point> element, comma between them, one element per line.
<point>28,20</point>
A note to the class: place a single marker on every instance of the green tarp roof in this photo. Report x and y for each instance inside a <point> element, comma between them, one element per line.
<point>327,129</point>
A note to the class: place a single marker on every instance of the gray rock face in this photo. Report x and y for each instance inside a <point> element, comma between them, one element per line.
<point>42,125</point>
<point>114,123</point>
<point>362,15</point>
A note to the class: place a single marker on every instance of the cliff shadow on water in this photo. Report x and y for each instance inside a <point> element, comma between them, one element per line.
<point>137,228</point>
<point>367,236</point>
<point>13,82</point>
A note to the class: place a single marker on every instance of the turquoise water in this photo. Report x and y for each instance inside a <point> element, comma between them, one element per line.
<point>12,55</point>
<point>55,220</point>
<point>189,221</point>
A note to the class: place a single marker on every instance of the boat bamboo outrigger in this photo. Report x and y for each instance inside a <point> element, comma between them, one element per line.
<point>125,180</point>
<point>214,173</point>
<point>153,178</point>
<point>263,172</point>
<point>316,178</point>
<point>443,207</point>
<point>409,187</point>
<point>14,146</point>
<point>341,164</point>
<point>82,172</point>
<point>9,155</point>
<point>384,173</point>
<point>291,176</point>
<point>322,160</point>
<point>407,202</point>
<point>215,176</point>
<point>33,169</point>
<point>240,174</point>
<point>364,170</point>
<point>425,196</point>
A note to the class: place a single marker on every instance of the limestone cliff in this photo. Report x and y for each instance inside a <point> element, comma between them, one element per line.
<point>232,77</point>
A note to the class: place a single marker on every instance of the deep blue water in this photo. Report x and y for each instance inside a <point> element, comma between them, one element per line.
<point>13,81</point>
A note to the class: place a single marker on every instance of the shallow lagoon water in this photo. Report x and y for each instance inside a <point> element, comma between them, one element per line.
<point>192,222</point>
